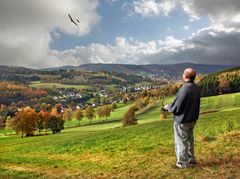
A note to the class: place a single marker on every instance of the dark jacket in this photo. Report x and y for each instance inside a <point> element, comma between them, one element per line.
<point>185,107</point>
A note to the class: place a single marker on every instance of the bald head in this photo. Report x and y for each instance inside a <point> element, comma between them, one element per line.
<point>189,74</point>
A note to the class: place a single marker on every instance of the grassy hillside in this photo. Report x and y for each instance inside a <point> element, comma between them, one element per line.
<point>115,115</point>
<point>38,84</point>
<point>141,151</point>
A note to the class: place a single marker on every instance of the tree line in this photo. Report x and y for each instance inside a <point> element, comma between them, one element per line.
<point>28,121</point>
<point>220,84</point>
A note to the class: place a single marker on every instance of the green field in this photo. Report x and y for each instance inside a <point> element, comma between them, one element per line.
<point>115,115</point>
<point>39,84</point>
<point>145,150</point>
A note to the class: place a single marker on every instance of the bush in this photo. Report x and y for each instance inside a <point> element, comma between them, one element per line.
<point>56,124</point>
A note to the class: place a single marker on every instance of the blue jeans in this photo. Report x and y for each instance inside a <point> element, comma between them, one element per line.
<point>184,143</point>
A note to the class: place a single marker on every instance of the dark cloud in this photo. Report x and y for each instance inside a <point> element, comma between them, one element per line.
<point>209,47</point>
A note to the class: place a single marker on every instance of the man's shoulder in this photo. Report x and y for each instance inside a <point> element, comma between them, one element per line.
<point>190,86</point>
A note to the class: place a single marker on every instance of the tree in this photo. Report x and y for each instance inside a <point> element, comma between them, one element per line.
<point>55,112</point>
<point>55,120</point>
<point>9,125</point>
<point>142,102</point>
<point>113,107</point>
<point>223,85</point>
<point>67,115</point>
<point>58,107</point>
<point>234,84</point>
<point>24,121</point>
<point>45,115</point>
<point>99,112</point>
<point>106,111</point>
<point>125,98</point>
<point>90,113</point>
<point>209,86</point>
<point>40,121</point>
<point>129,117</point>
<point>56,124</point>
<point>79,115</point>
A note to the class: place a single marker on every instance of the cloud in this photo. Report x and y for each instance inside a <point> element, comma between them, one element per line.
<point>123,51</point>
<point>209,46</point>
<point>27,29</point>
<point>26,26</point>
<point>149,8</point>
<point>186,27</point>
<point>111,2</point>
<point>222,14</point>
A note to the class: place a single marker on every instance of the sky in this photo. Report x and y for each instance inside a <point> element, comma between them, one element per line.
<point>39,34</point>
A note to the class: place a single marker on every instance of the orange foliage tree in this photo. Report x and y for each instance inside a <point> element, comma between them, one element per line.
<point>25,121</point>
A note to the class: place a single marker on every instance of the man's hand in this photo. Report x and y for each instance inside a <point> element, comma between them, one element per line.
<point>165,107</point>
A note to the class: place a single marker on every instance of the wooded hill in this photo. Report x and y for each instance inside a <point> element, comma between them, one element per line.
<point>168,71</point>
<point>227,81</point>
<point>70,76</point>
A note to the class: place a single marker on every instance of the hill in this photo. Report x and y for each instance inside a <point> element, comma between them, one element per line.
<point>226,81</point>
<point>66,76</point>
<point>167,71</point>
<point>141,151</point>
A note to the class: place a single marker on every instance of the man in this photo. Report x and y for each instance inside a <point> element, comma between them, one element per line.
<point>185,109</point>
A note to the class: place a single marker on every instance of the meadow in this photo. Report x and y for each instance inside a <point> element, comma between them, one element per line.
<point>38,84</point>
<point>145,150</point>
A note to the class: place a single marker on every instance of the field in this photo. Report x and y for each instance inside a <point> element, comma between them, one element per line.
<point>115,115</point>
<point>142,151</point>
<point>39,84</point>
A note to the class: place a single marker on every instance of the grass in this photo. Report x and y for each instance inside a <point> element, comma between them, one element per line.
<point>115,115</point>
<point>145,150</point>
<point>220,102</point>
<point>39,84</point>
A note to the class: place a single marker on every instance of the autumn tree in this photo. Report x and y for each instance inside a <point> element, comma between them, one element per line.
<point>24,121</point>
<point>129,117</point>
<point>106,111</point>
<point>125,98</point>
<point>40,121</point>
<point>79,115</point>
<point>58,107</point>
<point>2,124</point>
<point>56,122</point>
<point>142,102</point>
<point>43,120</point>
<point>113,106</point>
<point>90,113</point>
<point>67,115</point>
<point>99,112</point>
<point>223,86</point>
<point>9,125</point>
<point>46,107</point>
<point>55,111</point>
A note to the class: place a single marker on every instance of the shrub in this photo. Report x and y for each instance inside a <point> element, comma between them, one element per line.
<point>56,124</point>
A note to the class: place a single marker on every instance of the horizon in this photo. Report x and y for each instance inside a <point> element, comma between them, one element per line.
<point>184,63</point>
<point>37,35</point>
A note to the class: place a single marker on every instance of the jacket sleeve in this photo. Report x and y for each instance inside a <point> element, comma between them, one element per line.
<point>179,102</point>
